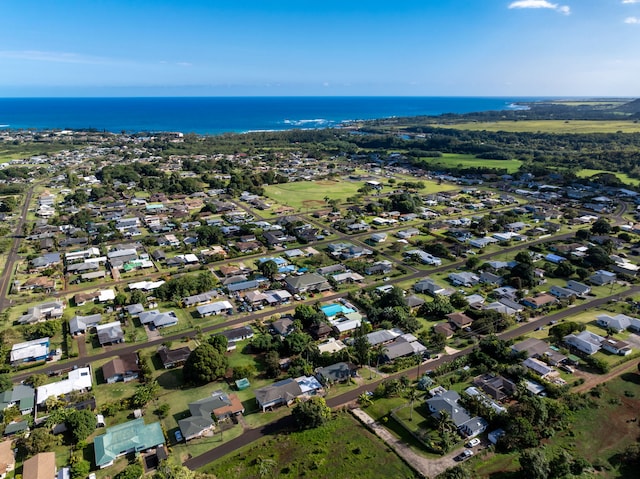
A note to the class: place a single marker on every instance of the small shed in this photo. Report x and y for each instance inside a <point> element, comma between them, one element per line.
<point>242,384</point>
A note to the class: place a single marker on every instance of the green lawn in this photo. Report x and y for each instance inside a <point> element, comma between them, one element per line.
<point>311,194</point>
<point>341,449</point>
<point>551,126</point>
<point>626,179</point>
<point>449,160</point>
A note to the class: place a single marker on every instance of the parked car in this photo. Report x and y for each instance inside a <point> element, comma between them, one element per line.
<point>474,442</point>
<point>179,437</point>
<point>467,453</point>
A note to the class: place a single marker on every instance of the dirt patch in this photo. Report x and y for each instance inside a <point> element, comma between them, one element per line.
<point>326,183</point>
<point>312,203</point>
<point>592,380</point>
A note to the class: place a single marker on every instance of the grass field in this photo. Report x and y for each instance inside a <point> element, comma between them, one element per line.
<point>311,194</point>
<point>627,180</point>
<point>551,126</point>
<point>449,160</point>
<point>341,449</point>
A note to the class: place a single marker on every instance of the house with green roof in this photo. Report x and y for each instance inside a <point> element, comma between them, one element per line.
<point>132,436</point>
<point>21,396</point>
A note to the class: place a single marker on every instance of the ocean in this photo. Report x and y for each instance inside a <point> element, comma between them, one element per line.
<point>216,115</point>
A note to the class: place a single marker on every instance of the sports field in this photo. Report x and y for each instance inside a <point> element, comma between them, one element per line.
<point>452,160</point>
<point>551,126</point>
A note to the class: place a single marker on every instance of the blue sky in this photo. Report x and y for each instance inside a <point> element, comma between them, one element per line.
<point>282,47</point>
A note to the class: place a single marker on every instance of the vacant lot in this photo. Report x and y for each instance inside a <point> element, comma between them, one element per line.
<point>551,126</point>
<point>312,194</point>
<point>341,449</point>
<point>452,160</point>
<point>626,179</point>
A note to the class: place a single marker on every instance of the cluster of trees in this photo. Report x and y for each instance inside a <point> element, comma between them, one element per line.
<point>207,362</point>
<point>187,285</point>
<point>388,310</point>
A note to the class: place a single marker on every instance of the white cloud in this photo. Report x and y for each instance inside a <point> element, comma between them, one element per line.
<point>45,56</point>
<point>630,1</point>
<point>632,20</point>
<point>564,9</point>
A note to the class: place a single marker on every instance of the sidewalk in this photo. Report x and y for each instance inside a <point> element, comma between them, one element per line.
<point>427,468</point>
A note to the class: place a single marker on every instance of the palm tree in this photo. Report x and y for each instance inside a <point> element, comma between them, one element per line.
<point>413,395</point>
<point>365,400</point>
<point>445,423</point>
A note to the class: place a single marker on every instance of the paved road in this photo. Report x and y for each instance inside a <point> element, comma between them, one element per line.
<point>5,278</point>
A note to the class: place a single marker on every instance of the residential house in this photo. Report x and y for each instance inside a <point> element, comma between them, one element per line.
<point>536,348</point>
<point>619,322</point>
<point>464,278</point>
<point>489,278</point>
<point>110,333</point>
<point>42,312</point>
<point>443,328</point>
<point>124,368</point>
<point>429,286</point>
<point>238,334</point>
<point>601,278</point>
<point>277,394</point>
<point>21,396</point>
<point>537,366</point>
<point>581,289</point>
<point>200,422</point>
<point>539,301</point>
<point>408,233</point>
<point>307,282</point>
<point>283,326</point>
<point>459,320</point>
<point>613,346</point>
<point>404,345</point>
<point>80,324</point>
<point>286,391</point>
<point>158,320</point>
<point>498,387</point>
<point>226,405</point>
<point>562,293</point>
<point>40,466</point>
<point>379,267</point>
<point>199,299</point>
<point>45,261</point>
<point>172,358</point>
<point>133,436</point>
<point>219,307</point>
<point>424,257</point>
<point>29,351</point>
<point>336,373</point>
<point>77,380</point>
<point>447,401</point>
<point>586,342</point>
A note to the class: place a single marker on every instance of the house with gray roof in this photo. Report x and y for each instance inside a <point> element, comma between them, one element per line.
<point>336,373</point>
<point>110,333</point>
<point>80,324</point>
<point>447,401</point>
<point>306,282</point>
<point>619,322</point>
<point>586,342</point>
<point>277,394</point>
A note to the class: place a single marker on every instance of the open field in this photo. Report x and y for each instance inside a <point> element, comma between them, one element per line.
<point>551,126</point>
<point>341,449</point>
<point>311,194</point>
<point>626,179</point>
<point>451,160</point>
